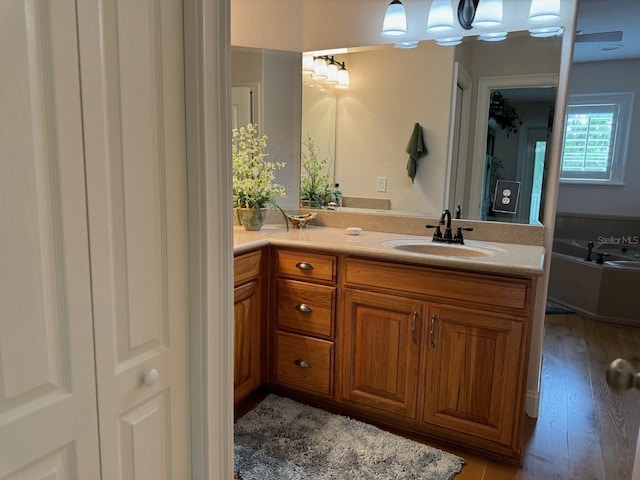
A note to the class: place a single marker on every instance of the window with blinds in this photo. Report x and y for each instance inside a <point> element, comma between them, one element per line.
<point>595,137</point>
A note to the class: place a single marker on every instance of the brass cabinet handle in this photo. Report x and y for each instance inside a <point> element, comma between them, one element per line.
<point>432,330</point>
<point>304,266</point>
<point>413,327</point>
<point>302,363</point>
<point>304,308</point>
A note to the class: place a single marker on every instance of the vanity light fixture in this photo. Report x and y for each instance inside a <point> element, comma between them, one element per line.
<point>544,12</point>
<point>328,70</point>
<point>395,20</point>
<point>488,14</point>
<point>440,17</point>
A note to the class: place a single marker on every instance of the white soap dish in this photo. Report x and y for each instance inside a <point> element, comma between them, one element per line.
<point>354,230</point>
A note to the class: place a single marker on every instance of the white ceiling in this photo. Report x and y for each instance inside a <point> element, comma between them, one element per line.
<point>596,16</point>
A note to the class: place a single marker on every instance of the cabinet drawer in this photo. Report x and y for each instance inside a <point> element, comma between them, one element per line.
<point>307,266</point>
<point>306,307</point>
<point>304,363</point>
<point>490,290</point>
<point>246,267</point>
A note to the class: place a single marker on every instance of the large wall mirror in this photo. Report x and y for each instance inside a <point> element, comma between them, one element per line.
<point>448,91</point>
<point>363,131</point>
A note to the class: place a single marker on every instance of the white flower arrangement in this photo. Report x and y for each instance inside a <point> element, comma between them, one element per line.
<point>314,182</point>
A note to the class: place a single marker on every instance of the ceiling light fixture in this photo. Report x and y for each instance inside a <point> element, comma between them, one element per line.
<point>440,18</point>
<point>395,20</point>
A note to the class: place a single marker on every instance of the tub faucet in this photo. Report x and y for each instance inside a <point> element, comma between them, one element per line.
<point>590,246</point>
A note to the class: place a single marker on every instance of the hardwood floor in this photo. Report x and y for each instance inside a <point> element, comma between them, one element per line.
<point>583,431</point>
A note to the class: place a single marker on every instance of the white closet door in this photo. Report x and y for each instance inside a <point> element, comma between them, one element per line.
<point>132,69</point>
<point>48,418</point>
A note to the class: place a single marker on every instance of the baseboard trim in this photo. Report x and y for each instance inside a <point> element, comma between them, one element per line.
<point>532,404</point>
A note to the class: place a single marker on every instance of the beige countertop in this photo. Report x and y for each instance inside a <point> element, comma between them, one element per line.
<point>505,258</point>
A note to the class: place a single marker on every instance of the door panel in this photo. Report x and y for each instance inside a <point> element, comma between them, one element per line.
<point>472,369</point>
<point>133,104</point>
<point>380,351</point>
<point>47,382</point>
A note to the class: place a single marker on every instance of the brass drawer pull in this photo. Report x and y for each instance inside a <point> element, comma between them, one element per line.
<point>304,308</point>
<point>432,331</point>
<point>413,327</point>
<point>304,266</point>
<point>302,363</point>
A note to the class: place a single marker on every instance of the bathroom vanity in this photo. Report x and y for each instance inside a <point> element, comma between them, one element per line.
<point>431,344</point>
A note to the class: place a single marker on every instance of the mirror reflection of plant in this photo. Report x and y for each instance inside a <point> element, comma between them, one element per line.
<point>315,178</point>
<point>501,110</point>
<point>254,183</point>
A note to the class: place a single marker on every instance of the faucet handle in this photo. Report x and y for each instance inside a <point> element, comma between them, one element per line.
<point>437,233</point>
<point>600,260</point>
<point>457,238</point>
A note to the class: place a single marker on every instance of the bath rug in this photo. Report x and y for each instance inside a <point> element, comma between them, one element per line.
<point>283,439</point>
<point>554,308</point>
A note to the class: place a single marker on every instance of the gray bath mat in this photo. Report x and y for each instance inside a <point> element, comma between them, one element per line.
<point>555,308</point>
<point>282,439</point>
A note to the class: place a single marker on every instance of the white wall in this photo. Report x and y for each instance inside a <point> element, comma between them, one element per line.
<point>600,77</point>
<point>390,91</point>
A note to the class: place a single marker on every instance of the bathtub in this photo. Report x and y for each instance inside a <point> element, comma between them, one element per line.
<point>609,292</point>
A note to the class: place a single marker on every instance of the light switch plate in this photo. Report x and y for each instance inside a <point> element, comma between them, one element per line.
<point>382,184</point>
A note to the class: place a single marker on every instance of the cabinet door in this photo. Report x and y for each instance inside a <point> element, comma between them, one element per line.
<point>246,368</point>
<point>472,370</point>
<point>381,344</point>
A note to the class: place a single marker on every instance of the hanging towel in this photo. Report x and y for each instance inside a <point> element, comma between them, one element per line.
<point>416,150</point>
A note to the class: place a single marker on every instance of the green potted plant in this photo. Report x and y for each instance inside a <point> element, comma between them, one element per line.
<point>254,186</point>
<point>314,181</point>
<point>501,110</point>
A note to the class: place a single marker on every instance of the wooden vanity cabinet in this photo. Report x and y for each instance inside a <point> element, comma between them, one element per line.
<point>304,321</point>
<point>248,324</point>
<point>446,349</point>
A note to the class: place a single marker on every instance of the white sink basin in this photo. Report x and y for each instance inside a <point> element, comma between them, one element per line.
<point>428,247</point>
